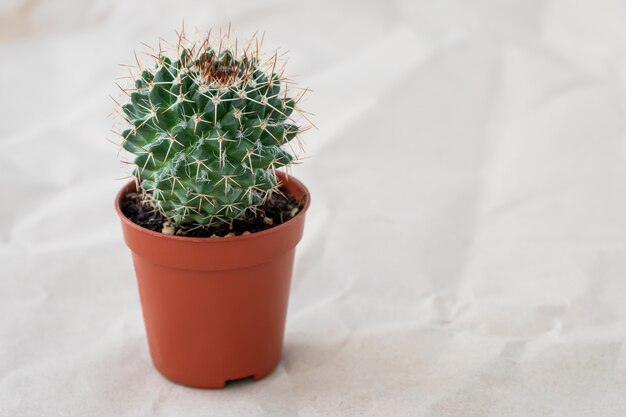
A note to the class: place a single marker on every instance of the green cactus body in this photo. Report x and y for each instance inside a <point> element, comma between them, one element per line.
<point>207,134</point>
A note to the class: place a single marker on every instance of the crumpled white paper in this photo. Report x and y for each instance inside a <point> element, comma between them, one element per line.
<point>465,253</point>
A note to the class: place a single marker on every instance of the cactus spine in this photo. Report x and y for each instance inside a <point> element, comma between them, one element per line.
<point>208,130</point>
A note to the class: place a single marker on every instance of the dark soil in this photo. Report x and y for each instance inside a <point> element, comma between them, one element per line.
<point>277,210</point>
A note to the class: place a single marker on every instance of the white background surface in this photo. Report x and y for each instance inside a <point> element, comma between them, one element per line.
<point>465,253</point>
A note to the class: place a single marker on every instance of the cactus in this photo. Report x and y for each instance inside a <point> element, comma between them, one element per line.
<point>208,129</point>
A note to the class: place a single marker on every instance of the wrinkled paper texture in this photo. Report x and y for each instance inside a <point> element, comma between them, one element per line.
<point>465,252</point>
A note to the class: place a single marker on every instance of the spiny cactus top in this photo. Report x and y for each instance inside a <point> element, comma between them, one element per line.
<point>208,129</point>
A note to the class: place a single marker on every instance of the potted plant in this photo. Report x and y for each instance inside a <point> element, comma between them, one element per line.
<point>210,219</point>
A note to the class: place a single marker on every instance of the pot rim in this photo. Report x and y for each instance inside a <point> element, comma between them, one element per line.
<point>283,176</point>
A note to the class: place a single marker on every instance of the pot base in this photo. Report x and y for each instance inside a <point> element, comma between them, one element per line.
<point>217,383</point>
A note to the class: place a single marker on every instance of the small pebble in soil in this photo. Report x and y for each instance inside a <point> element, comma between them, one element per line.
<point>168,228</point>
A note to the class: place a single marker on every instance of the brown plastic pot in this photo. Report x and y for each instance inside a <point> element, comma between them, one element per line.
<point>215,308</point>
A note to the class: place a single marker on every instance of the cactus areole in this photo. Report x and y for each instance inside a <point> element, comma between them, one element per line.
<point>209,132</point>
<point>209,129</point>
